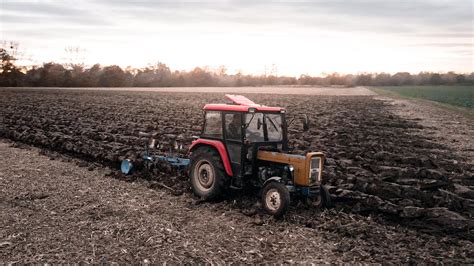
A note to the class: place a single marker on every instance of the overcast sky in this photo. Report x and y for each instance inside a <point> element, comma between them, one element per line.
<point>298,37</point>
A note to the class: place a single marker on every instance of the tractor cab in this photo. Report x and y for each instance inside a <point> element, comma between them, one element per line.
<point>245,127</point>
<point>247,143</point>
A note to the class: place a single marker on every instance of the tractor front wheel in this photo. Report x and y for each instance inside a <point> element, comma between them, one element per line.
<point>276,199</point>
<point>208,177</point>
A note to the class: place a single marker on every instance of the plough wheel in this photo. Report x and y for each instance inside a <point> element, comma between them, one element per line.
<point>323,200</point>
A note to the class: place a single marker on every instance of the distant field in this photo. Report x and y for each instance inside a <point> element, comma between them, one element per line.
<point>302,90</point>
<point>459,96</point>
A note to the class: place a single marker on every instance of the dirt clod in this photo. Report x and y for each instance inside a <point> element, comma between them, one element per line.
<point>379,165</point>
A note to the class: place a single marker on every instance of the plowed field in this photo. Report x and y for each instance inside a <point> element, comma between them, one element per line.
<point>378,164</point>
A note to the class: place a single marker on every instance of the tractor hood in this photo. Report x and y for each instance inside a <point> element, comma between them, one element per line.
<point>307,168</point>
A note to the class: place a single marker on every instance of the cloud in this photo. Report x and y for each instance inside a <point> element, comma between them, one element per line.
<point>448,45</point>
<point>61,13</point>
<point>56,8</point>
<point>363,15</point>
<point>381,17</point>
<point>310,27</point>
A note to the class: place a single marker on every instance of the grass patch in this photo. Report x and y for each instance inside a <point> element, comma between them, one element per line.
<point>457,97</point>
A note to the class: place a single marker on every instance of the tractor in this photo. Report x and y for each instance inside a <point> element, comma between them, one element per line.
<point>244,143</point>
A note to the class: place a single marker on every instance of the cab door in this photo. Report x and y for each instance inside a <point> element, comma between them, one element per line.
<point>233,139</point>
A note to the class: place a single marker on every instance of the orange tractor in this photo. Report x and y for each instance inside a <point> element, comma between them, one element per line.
<point>244,143</point>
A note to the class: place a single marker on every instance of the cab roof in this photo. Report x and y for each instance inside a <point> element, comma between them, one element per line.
<point>241,104</point>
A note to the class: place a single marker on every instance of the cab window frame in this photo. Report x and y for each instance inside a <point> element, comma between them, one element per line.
<point>213,136</point>
<point>264,129</point>
<point>241,123</point>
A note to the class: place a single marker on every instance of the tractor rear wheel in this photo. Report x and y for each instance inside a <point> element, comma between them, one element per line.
<point>208,177</point>
<point>276,199</point>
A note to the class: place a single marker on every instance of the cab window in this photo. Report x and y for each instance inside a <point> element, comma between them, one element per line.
<point>213,125</point>
<point>254,131</point>
<point>233,126</point>
<point>274,127</point>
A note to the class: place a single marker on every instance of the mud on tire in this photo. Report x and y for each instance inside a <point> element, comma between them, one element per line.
<point>208,177</point>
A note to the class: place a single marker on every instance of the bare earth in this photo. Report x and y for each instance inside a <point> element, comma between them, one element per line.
<point>54,210</point>
<point>327,91</point>
<point>44,200</point>
<point>453,129</point>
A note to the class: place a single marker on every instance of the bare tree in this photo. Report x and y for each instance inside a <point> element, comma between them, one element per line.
<point>74,56</point>
<point>10,73</point>
<point>221,71</point>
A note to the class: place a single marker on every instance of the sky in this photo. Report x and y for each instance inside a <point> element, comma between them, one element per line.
<point>253,37</point>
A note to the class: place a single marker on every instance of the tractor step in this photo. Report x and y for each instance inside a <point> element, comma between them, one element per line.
<point>236,188</point>
<point>236,183</point>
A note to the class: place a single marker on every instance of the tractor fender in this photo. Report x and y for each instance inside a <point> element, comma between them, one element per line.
<point>219,146</point>
<point>272,179</point>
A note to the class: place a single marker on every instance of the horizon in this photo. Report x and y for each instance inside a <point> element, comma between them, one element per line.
<point>24,69</point>
<point>264,38</point>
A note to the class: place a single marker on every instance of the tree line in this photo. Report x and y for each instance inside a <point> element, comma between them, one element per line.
<point>159,75</point>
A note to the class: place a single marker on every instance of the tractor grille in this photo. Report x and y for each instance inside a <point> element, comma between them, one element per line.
<point>314,170</point>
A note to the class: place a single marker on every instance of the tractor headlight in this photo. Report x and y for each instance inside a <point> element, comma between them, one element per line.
<point>314,170</point>
<point>290,170</point>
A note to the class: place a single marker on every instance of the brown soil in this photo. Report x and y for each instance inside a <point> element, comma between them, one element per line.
<point>55,211</point>
<point>440,123</point>
<point>300,90</point>
<point>380,164</point>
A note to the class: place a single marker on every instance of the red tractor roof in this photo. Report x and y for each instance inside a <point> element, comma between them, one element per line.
<point>240,104</point>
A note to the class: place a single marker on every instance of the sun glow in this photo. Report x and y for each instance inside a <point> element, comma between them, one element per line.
<point>246,40</point>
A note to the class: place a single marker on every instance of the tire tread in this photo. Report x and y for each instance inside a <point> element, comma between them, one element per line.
<point>220,174</point>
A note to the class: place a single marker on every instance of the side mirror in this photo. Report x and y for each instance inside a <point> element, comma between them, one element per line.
<point>259,123</point>
<point>306,123</point>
